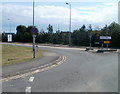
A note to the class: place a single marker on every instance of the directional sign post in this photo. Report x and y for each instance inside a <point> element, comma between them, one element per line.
<point>106,42</point>
<point>34,32</point>
<point>105,38</point>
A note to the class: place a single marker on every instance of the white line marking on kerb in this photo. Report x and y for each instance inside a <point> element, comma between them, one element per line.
<point>31,79</point>
<point>28,89</point>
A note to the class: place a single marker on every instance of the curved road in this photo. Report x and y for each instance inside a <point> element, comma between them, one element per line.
<point>81,72</point>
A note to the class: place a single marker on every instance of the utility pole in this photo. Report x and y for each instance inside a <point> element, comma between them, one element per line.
<point>107,36</point>
<point>70,43</point>
<point>90,36</point>
<point>10,25</point>
<point>34,48</point>
<point>33,13</point>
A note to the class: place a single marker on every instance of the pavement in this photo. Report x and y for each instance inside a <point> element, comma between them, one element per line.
<point>20,68</point>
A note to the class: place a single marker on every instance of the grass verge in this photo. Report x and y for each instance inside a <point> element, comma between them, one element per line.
<point>12,54</point>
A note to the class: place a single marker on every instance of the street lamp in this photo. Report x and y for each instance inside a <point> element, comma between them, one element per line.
<point>69,25</point>
<point>10,24</point>
<point>33,12</point>
<point>34,48</point>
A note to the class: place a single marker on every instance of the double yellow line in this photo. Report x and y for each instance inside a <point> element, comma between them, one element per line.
<point>59,61</point>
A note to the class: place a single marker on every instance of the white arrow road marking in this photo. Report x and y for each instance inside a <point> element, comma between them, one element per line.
<point>31,79</point>
<point>28,89</point>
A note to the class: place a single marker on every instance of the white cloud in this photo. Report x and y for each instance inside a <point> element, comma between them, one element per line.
<point>59,15</point>
<point>60,0</point>
<point>104,14</point>
<point>86,8</point>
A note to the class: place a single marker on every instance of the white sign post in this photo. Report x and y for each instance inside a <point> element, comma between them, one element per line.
<point>34,48</point>
<point>106,38</point>
<point>9,36</point>
<point>34,32</point>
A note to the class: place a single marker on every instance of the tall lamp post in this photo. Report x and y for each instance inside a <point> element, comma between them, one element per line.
<point>34,48</point>
<point>10,24</point>
<point>33,13</point>
<point>69,25</point>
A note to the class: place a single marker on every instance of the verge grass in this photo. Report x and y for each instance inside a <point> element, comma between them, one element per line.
<point>12,54</point>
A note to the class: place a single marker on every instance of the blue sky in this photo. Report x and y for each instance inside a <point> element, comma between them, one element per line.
<point>57,14</point>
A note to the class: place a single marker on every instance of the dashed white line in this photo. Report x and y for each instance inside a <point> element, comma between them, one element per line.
<point>28,89</point>
<point>31,79</point>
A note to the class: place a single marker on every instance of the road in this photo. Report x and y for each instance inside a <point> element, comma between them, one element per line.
<point>81,72</point>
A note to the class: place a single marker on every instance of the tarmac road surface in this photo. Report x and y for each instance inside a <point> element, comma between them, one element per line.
<point>81,72</point>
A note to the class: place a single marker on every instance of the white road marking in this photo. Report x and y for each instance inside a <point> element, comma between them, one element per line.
<point>31,79</point>
<point>28,89</point>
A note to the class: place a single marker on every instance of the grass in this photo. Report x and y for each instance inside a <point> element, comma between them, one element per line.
<point>12,54</point>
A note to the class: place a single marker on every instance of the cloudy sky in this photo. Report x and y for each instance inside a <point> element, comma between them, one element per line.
<point>98,13</point>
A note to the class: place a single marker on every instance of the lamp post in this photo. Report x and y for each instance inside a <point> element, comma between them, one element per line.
<point>69,25</point>
<point>90,36</point>
<point>107,39</point>
<point>10,24</point>
<point>34,48</point>
<point>33,13</point>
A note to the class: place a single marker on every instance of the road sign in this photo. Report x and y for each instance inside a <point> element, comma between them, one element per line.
<point>9,37</point>
<point>106,42</point>
<point>105,37</point>
<point>34,30</point>
<point>97,42</point>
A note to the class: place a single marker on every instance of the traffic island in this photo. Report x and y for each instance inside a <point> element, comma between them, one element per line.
<point>11,54</point>
<point>24,67</point>
<point>35,70</point>
<point>88,48</point>
<point>106,50</point>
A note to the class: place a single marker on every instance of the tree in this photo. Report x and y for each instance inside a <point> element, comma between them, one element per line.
<point>64,38</point>
<point>29,29</point>
<point>21,29</point>
<point>50,33</point>
<point>83,28</point>
<point>80,38</point>
<point>114,30</point>
<point>90,28</point>
<point>24,34</point>
<point>57,37</point>
<point>50,29</point>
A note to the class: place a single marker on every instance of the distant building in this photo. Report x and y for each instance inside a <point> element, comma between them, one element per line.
<point>119,12</point>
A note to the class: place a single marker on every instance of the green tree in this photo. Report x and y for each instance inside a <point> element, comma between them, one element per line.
<point>29,29</point>
<point>57,37</point>
<point>50,29</point>
<point>114,30</point>
<point>80,38</point>
<point>50,33</point>
<point>21,29</point>
<point>83,28</point>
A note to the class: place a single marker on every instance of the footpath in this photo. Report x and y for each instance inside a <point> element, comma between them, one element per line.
<point>48,59</point>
